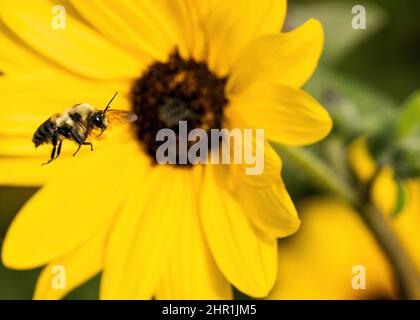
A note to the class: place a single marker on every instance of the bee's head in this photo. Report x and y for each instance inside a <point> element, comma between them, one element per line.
<point>98,120</point>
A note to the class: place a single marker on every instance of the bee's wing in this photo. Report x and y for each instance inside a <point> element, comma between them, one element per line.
<point>114,118</point>
<point>118,117</point>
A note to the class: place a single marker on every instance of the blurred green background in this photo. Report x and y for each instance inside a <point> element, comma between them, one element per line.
<point>365,75</point>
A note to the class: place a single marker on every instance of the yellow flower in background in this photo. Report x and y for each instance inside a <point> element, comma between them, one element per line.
<point>317,262</point>
<point>361,162</point>
<point>322,259</point>
<point>154,230</point>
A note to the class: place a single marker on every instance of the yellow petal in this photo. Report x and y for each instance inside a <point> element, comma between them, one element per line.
<point>261,150</point>
<point>21,172</point>
<point>232,24</point>
<point>19,125</point>
<point>318,262</point>
<point>264,196</point>
<point>288,58</point>
<point>68,210</point>
<point>143,235</point>
<point>185,18</point>
<point>140,190</point>
<point>406,223</point>
<point>360,160</point>
<point>384,191</point>
<point>75,268</point>
<point>270,208</point>
<point>16,60</point>
<point>77,48</point>
<point>288,116</point>
<point>146,30</point>
<point>51,93</point>
<point>245,255</point>
<point>198,12</point>
<point>16,147</point>
<point>191,272</point>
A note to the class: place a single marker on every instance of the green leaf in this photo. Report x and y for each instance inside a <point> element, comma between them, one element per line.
<point>409,121</point>
<point>401,199</point>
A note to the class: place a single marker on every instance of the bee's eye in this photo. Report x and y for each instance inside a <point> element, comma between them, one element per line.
<point>97,120</point>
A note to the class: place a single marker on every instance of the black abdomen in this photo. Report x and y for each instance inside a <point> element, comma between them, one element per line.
<point>44,133</point>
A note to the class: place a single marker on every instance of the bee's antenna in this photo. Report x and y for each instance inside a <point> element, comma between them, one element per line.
<point>109,103</point>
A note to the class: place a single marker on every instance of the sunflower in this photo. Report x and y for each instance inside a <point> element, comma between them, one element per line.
<point>334,238</point>
<point>153,230</point>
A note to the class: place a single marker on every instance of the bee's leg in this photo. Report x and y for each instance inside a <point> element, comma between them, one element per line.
<point>83,144</point>
<point>59,149</point>
<point>77,150</point>
<point>80,141</point>
<point>88,144</point>
<point>54,143</point>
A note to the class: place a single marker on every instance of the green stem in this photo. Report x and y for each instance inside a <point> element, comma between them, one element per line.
<point>318,171</point>
<point>404,268</point>
<point>326,179</point>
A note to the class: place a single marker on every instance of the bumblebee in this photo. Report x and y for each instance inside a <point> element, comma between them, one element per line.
<point>77,123</point>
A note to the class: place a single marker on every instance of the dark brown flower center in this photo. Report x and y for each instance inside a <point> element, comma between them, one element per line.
<point>179,90</point>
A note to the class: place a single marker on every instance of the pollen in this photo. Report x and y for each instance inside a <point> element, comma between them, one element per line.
<point>179,90</point>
